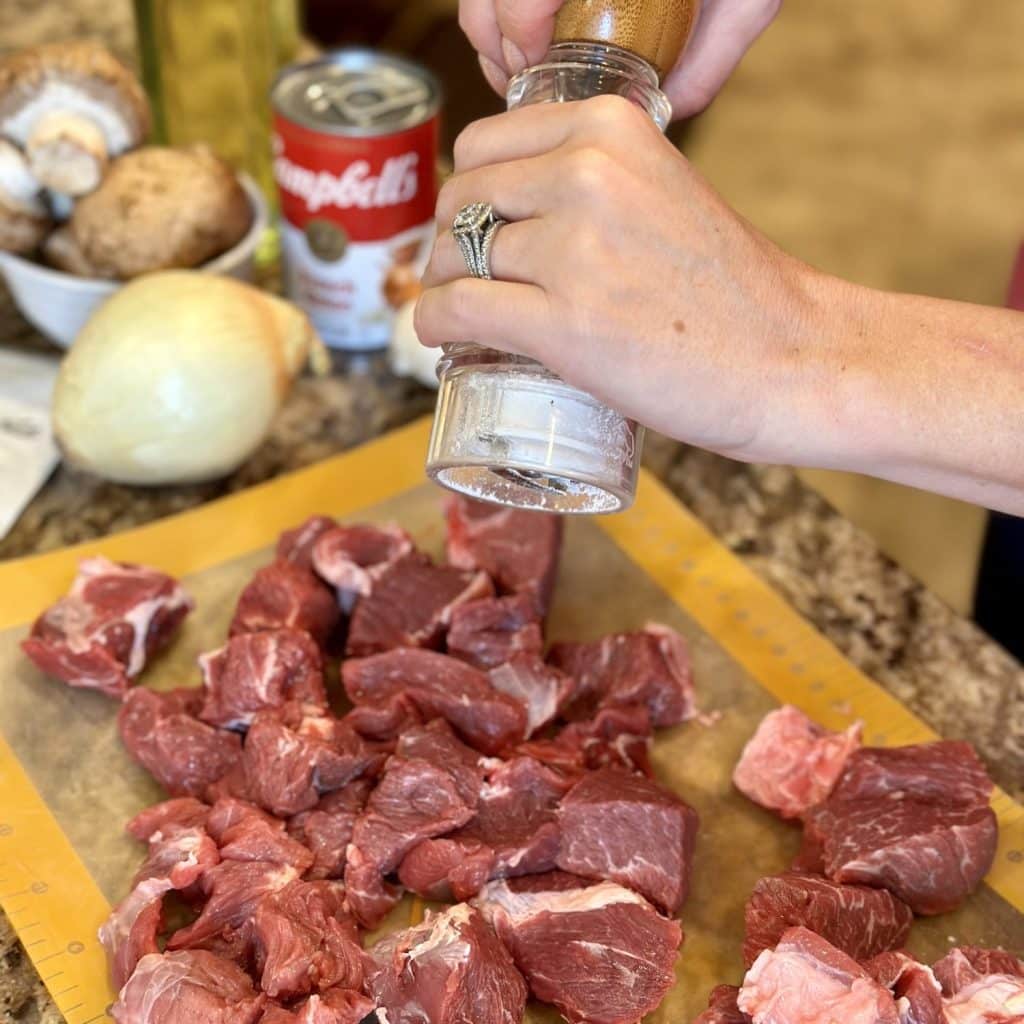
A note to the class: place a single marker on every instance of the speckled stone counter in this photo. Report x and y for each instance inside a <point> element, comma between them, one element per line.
<point>940,665</point>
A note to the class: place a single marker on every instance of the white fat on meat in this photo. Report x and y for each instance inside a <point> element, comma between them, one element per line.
<point>165,974</point>
<point>445,939</point>
<point>541,702</point>
<point>76,613</point>
<point>999,997</point>
<point>517,907</point>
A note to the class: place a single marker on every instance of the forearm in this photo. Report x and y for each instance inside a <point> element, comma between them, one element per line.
<point>926,392</point>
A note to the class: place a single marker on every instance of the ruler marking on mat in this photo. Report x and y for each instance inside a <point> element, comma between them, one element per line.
<point>773,637</point>
<point>64,906</point>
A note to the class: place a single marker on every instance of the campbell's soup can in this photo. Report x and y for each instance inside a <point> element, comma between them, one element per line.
<point>355,159</point>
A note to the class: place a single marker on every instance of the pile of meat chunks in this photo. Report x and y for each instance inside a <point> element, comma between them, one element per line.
<point>472,769</point>
<point>888,833</point>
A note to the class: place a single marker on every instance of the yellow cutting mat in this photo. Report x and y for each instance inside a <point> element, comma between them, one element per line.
<point>53,900</point>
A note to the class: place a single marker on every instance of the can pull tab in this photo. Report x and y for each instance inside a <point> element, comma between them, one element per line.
<point>657,30</point>
<point>365,100</point>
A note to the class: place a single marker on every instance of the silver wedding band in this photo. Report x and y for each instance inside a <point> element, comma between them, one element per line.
<point>474,229</point>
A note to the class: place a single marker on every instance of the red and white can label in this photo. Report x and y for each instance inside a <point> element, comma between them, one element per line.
<point>356,214</point>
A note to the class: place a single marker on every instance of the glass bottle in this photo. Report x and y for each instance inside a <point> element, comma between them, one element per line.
<point>506,429</point>
<point>208,66</point>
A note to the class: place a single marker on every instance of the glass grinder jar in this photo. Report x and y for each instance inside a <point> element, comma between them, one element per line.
<point>506,429</point>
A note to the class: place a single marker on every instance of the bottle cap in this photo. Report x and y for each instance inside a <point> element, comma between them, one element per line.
<point>656,30</point>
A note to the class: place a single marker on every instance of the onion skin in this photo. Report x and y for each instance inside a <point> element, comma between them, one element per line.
<point>177,378</point>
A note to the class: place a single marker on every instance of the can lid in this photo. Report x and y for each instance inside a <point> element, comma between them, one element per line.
<point>357,92</point>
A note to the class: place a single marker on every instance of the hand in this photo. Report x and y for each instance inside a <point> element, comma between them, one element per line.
<point>510,35</point>
<point>626,274</point>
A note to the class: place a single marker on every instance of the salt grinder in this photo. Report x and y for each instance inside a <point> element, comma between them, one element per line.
<point>506,429</point>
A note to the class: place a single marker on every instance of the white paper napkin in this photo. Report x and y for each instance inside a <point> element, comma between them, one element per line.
<point>28,453</point>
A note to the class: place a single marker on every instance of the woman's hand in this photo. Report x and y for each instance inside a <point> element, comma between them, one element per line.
<point>509,35</point>
<point>624,272</point>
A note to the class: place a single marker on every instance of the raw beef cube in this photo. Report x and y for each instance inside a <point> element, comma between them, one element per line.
<point>411,605</point>
<point>353,558</point>
<point>517,548</point>
<point>437,744</point>
<point>178,857</point>
<point>722,1007</point>
<point>966,965</point>
<point>613,738</point>
<point>447,870</point>
<point>493,630</point>
<point>232,785</point>
<point>305,941</point>
<point>327,829</point>
<point>630,830</point>
<point>384,722</point>
<point>930,856</point>
<point>184,755</point>
<point>234,888</point>
<point>182,812</point>
<point>335,1006</point>
<point>112,620</point>
<point>918,995</point>
<point>860,921</point>
<point>229,812</point>
<point>451,969</point>
<point>191,985</point>
<point>541,688</point>
<point>650,668</point>
<point>296,545</point>
<point>292,759</point>
<point>439,687</point>
<point>414,800</point>
<point>790,764</point>
<point>260,671</point>
<point>517,816</point>
<point>515,831</point>
<point>805,979</point>
<point>946,772</point>
<point>256,839</point>
<point>285,596</point>
<point>601,955</point>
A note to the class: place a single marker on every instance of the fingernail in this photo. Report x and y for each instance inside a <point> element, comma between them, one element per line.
<point>515,59</point>
<point>496,77</point>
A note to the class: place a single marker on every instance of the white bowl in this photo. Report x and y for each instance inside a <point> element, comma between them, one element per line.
<point>58,304</point>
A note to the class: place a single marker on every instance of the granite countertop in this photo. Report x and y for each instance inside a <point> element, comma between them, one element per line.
<point>885,622</point>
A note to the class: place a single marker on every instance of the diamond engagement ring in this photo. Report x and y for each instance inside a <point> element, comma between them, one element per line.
<point>474,229</point>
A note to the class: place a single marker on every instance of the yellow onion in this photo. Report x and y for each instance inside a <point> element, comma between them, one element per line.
<point>177,378</point>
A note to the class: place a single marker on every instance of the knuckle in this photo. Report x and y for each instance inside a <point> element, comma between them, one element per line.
<point>466,145</point>
<point>447,196</point>
<point>613,113</point>
<point>461,304</point>
<point>421,320</point>
<point>590,170</point>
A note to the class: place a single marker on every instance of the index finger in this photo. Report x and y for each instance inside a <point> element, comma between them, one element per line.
<point>535,130</point>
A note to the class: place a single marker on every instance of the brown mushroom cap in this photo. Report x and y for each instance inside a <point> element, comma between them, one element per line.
<point>160,208</point>
<point>60,251</point>
<point>37,80</point>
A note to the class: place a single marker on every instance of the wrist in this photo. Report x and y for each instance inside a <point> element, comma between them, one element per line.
<point>828,415</point>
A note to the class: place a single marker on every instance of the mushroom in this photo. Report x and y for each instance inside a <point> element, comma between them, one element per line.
<point>24,218</point>
<point>160,208</point>
<point>71,106</point>
<point>62,252</point>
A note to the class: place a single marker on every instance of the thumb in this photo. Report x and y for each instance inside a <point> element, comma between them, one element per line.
<point>526,29</point>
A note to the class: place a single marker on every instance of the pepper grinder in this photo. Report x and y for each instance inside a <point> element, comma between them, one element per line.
<point>507,430</point>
